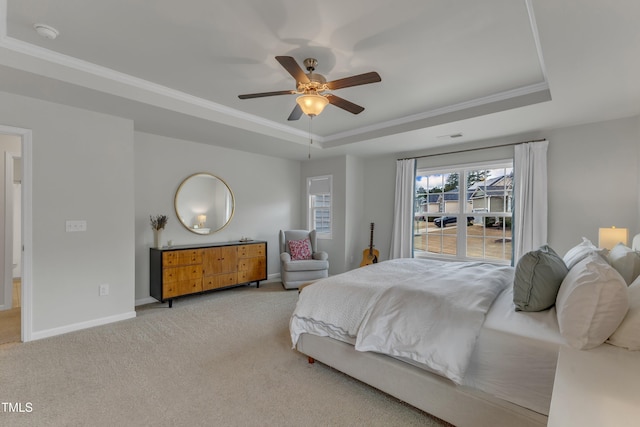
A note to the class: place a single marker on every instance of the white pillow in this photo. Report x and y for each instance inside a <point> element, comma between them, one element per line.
<point>628,333</point>
<point>591,303</point>
<point>580,251</point>
<point>626,261</point>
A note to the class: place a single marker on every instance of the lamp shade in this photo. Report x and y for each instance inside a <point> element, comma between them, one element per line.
<point>311,104</point>
<point>609,237</point>
<point>201,220</point>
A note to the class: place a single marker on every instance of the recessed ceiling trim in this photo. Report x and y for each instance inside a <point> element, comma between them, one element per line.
<point>536,38</point>
<point>48,55</point>
<point>497,97</point>
<point>240,118</point>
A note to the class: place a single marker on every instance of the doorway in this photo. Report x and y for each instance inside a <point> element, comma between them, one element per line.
<point>15,235</point>
<point>10,301</point>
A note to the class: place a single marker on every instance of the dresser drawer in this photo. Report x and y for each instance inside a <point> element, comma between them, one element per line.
<point>219,281</point>
<point>249,264</point>
<point>249,251</point>
<point>251,270</point>
<point>179,274</point>
<point>186,257</point>
<point>182,287</point>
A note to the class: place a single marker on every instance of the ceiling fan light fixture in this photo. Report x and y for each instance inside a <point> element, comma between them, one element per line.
<point>312,104</point>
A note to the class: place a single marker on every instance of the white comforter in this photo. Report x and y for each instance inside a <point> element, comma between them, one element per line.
<point>426,311</point>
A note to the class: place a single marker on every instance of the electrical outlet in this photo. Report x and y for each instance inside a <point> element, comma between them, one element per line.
<point>103,289</point>
<point>79,225</point>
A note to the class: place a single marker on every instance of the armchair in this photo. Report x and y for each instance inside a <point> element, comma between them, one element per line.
<point>313,264</point>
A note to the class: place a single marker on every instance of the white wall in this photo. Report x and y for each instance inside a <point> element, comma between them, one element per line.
<point>351,219</point>
<point>593,172</point>
<point>593,180</point>
<point>356,217</point>
<point>379,197</point>
<point>337,168</point>
<point>266,191</point>
<point>82,169</point>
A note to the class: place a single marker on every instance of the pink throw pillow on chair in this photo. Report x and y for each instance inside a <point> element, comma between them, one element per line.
<point>300,249</point>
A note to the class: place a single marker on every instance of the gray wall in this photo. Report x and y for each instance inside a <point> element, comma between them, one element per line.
<point>82,170</point>
<point>349,219</point>
<point>266,191</point>
<point>337,168</point>
<point>593,181</point>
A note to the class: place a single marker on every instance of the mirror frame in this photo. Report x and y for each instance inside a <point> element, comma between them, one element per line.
<point>180,187</point>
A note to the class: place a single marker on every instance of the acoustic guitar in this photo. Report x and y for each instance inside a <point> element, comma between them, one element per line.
<point>370,255</point>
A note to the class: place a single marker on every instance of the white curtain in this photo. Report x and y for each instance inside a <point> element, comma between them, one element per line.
<point>530,197</point>
<point>402,233</point>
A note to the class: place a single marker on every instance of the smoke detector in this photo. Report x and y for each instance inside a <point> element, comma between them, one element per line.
<point>46,31</point>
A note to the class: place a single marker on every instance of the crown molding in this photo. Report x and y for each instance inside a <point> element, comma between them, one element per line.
<point>478,102</point>
<point>69,62</point>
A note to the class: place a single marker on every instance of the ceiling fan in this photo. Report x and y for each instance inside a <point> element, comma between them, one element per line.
<point>313,88</point>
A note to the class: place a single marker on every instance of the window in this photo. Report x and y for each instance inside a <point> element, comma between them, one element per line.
<point>464,212</point>
<point>319,195</point>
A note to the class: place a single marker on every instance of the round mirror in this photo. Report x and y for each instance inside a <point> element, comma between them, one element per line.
<point>204,203</point>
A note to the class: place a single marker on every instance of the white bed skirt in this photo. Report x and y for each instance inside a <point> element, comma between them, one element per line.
<point>440,397</point>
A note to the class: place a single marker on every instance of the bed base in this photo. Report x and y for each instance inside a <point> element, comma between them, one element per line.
<point>438,396</point>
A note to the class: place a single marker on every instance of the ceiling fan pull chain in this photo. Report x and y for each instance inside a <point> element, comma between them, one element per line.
<point>310,138</point>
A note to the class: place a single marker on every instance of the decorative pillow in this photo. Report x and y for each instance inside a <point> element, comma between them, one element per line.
<point>626,261</point>
<point>538,277</point>
<point>300,249</point>
<point>580,252</point>
<point>591,303</point>
<point>628,333</point>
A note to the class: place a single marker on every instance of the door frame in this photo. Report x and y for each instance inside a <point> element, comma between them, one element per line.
<point>26,298</point>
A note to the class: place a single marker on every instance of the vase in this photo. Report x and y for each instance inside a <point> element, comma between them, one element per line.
<point>157,239</point>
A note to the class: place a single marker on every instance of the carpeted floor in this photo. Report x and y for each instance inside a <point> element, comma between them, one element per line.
<point>220,359</point>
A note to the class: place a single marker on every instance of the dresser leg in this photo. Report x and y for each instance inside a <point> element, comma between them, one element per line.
<point>257,284</point>
<point>171,303</point>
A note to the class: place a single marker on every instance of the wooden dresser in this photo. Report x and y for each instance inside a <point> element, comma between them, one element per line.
<point>184,270</point>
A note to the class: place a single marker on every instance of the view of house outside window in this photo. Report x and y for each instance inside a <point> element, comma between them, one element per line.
<point>319,190</point>
<point>464,213</point>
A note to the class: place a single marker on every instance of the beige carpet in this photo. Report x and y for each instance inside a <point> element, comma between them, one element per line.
<point>220,359</point>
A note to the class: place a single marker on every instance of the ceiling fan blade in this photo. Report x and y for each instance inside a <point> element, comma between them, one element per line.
<point>360,79</point>
<point>263,94</point>
<point>296,113</point>
<point>344,104</point>
<point>293,68</point>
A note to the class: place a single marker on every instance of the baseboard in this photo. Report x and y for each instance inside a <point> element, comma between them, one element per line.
<point>82,325</point>
<point>274,277</point>
<point>147,300</point>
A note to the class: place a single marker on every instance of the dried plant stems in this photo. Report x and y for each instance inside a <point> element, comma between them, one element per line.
<point>158,222</point>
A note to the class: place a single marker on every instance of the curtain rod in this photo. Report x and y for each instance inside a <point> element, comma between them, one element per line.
<point>474,149</point>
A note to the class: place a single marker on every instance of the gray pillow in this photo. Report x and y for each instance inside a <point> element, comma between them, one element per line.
<point>538,277</point>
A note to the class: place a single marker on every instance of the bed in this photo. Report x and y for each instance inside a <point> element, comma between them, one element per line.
<point>470,359</point>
